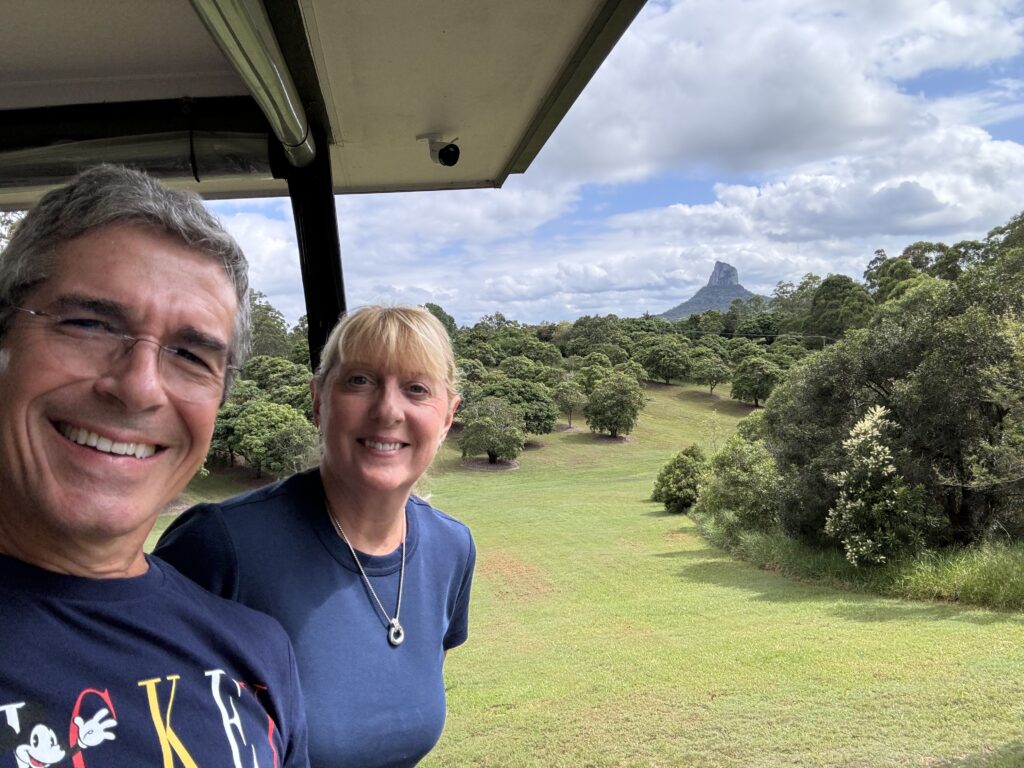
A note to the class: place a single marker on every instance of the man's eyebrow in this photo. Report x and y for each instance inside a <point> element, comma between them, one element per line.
<point>71,302</point>
<point>117,312</point>
<point>192,335</point>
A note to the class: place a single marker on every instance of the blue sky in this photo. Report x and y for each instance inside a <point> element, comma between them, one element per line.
<point>781,136</point>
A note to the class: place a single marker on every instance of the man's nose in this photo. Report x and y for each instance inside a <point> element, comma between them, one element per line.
<point>135,377</point>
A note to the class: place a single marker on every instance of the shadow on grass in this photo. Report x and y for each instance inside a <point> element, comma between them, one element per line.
<point>718,568</point>
<point>1008,756</point>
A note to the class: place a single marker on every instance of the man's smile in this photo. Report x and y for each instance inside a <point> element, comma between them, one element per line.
<point>103,444</point>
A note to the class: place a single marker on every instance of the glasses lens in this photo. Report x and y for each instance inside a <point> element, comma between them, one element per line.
<point>87,347</point>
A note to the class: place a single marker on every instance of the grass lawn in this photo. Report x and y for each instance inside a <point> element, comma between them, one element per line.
<point>605,632</point>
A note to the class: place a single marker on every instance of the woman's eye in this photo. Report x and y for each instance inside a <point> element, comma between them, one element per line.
<point>418,389</point>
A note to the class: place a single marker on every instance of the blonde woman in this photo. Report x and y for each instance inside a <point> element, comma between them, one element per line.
<point>371,582</point>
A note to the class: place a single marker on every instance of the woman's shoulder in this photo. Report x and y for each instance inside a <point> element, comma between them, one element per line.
<point>437,524</point>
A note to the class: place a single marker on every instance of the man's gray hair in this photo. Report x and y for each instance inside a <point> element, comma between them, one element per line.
<point>110,194</point>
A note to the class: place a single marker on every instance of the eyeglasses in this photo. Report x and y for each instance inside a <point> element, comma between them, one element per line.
<point>87,344</point>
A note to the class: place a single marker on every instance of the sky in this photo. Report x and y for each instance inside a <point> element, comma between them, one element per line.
<point>781,136</point>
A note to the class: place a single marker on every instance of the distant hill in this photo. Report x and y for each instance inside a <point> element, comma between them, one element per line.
<point>723,289</point>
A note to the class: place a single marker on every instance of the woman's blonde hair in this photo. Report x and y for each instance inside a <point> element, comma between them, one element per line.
<point>404,339</point>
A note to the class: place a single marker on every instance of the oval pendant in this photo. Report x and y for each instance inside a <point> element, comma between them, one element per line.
<point>395,633</point>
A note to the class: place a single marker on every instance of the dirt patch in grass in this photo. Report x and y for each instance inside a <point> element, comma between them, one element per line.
<point>513,579</point>
<point>484,464</point>
<point>565,428</point>
<point>619,439</point>
<point>532,445</point>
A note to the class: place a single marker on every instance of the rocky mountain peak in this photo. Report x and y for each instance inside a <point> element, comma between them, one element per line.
<point>723,274</point>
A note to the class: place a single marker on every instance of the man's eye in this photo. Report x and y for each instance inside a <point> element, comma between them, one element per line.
<point>85,324</point>
<point>187,357</point>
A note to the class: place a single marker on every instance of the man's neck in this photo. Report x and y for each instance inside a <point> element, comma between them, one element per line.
<point>103,561</point>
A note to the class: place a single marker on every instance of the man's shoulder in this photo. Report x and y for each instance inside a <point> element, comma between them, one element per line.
<point>198,602</point>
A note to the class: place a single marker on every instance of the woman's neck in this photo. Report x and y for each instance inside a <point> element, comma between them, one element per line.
<point>373,523</point>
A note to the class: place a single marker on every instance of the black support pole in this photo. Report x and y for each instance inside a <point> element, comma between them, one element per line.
<point>316,229</point>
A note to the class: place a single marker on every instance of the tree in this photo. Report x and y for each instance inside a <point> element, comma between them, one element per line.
<point>588,376</point>
<point>269,330</point>
<point>839,305</point>
<point>678,483</point>
<point>709,369</point>
<point>615,404</point>
<point>269,373</point>
<point>224,444</point>
<point>741,491</point>
<point>791,304</point>
<point>878,515</point>
<point>274,438</point>
<point>446,320</point>
<point>494,427</point>
<point>538,410</point>
<point>298,338</point>
<point>569,397</point>
<point>668,359</point>
<point>754,378</point>
<point>634,369</point>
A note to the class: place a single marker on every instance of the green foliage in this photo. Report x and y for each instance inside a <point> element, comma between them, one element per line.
<point>270,373</point>
<point>471,369</point>
<point>569,397</point>
<point>668,358</point>
<point>274,438</point>
<point>754,378</point>
<point>678,483</point>
<point>877,515</point>
<point>446,320</point>
<point>632,368</point>
<point>614,405</point>
<point>533,399</point>
<point>839,305</point>
<point>742,491</point>
<point>588,376</point>
<point>269,330</point>
<point>708,368</point>
<point>298,338</point>
<point>492,426</point>
<point>791,304</point>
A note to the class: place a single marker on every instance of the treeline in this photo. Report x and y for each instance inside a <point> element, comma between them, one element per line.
<point>907,434</point>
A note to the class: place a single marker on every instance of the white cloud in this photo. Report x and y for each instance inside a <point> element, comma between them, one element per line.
<point>809,108</point>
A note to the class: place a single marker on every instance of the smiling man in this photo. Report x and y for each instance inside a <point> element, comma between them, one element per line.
<point>123,320</point>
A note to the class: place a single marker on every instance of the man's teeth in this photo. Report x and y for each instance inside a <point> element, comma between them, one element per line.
<point>383,446</point>
<point>105,444</point>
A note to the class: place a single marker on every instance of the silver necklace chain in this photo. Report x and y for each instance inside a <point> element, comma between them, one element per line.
<point>395,632</point>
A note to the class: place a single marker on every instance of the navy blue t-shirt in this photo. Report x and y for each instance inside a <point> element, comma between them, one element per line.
<point>144,671</point>
<point>368,704</point>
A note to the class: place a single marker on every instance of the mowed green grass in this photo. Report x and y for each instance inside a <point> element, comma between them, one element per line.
<point>605,632</point>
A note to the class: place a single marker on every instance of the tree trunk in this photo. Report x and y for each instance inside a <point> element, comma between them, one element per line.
<point>492,457</point>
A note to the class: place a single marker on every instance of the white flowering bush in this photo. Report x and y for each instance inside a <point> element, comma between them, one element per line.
<point>877,515</point>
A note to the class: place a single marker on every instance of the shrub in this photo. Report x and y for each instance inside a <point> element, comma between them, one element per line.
<point>878,515</point>
<point>741,492</point>
<point>678,482</point>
